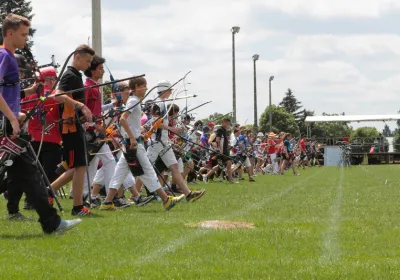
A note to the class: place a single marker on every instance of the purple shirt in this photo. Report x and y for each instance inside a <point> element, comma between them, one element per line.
<point>9,74</point>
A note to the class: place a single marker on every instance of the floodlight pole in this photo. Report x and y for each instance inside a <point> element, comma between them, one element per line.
<point>255,58</point>
<point>234,30</point>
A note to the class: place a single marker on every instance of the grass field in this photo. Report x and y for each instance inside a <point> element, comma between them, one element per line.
<point>328,223</point>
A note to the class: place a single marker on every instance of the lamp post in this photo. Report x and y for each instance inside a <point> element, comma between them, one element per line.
<point>235,29</point>
<point>96,33</point>
<point>255,58</point>
<point>270,103</point>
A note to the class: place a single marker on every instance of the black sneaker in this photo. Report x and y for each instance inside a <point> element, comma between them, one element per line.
<point>95,202</point>
<point>121,203</point>
<point>18,217</point>
<point>143,200</point>
<point>83,211</point>
<point>195,195</point>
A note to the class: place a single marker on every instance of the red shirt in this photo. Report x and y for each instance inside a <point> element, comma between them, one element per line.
<point>302,145</point>
<point>278,147</point>
<point>53,114</point>
<point>93,98</point>
<point>271,149</point>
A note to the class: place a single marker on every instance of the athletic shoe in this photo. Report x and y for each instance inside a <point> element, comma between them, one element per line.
<point>121,203</point>
<point>82,212</point>
<point>251,180</point>
<point>18,217</point>
<point>108,206</point>
<point>95,202</point>
<point>233,182</point>
<point>67,225</point>
<point>195,195</point>
<point>143,200</point>
<point>172,201</point>
<point>205,179</point>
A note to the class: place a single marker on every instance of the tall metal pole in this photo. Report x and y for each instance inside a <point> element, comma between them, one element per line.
<point>96,32</point>
<point>270,104</point>
<point>255,58</point>
<point>235,29</point>
<point>233,79</point>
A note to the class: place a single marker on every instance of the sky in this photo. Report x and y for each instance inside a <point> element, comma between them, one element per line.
<point>336,55</point>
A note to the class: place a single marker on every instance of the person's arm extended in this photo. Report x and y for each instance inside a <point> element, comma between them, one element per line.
<point>173,129</point>
<point>32,89</point>
<point>124,123</point>
<point>76,104</point>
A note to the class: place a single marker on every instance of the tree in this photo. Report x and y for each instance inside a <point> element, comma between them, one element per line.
<point>216,118</point>
<point>22,8</point>
<point>302,121</point>
<point>19,7</point>
<point>291,104</point>
<point>396,141</point>
<point>107,90</point>
<point>365,134</point>
<point>386,131</point>
<point>281,121</point>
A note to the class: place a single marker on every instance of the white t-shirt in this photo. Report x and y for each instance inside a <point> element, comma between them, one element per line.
<point>164,132</point>
<point>134,116</point>
<point>233,142</point>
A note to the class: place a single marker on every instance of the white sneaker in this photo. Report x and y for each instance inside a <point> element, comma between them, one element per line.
<point>67,225</point>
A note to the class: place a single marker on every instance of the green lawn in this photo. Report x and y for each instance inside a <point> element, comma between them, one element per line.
<point>328,223</point>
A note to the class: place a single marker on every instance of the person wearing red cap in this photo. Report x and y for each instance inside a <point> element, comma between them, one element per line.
<point>47,144</point>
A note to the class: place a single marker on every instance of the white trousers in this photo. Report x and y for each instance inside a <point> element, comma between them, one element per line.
<point>149,178</point>
<point>108,167</point>
<point>180,165</point>
<point>274,163</point>
<point>167,157</point>
<point>99,179</point>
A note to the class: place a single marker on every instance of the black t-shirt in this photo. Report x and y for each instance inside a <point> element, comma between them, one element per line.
<point>71,80</point>
<point>221,133</point>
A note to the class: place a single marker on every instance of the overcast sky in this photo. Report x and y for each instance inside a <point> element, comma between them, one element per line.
<point>336,55</point>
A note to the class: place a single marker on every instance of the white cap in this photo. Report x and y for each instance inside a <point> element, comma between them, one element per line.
<point>260,134</point>
<point>162,86</point>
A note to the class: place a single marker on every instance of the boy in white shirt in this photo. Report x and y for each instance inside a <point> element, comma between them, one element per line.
<point>130,121</point>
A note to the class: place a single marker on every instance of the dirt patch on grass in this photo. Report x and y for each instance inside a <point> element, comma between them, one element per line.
<point>222,224</point>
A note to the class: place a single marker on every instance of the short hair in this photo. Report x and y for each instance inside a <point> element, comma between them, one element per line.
<point>97,60</point>
<point>139,81</point>
<point>84,49</point>
<point>226,120</point>
<point>122,86</point>
<point>173,110</point>
<point>13,21</point>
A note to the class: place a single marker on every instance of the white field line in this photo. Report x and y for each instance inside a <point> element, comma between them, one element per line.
<point>179,242</point>
<point>331,247</point>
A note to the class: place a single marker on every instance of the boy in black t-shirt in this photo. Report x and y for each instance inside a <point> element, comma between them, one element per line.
<point>72,132</point>
<point>222,143</point>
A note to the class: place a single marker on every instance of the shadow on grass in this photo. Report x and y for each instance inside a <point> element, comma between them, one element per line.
<point>24,236</point>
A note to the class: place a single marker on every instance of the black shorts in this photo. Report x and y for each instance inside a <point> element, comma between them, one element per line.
<point>224,158</point>
<point>74,149</point>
